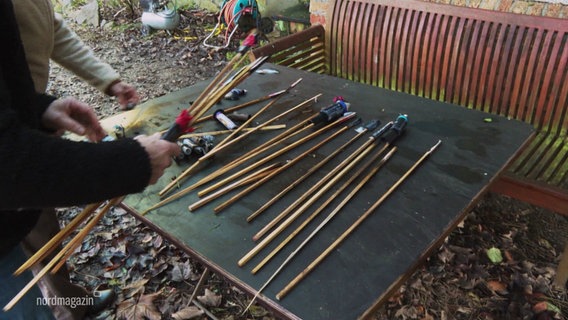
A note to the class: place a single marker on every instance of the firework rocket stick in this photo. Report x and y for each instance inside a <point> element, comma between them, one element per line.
<point>370,126</point>
<point>288,133</point>
<point>244,105</point>
<point>252,178</point>
<point>286,166</point>
<point>329,200</point>
<point>246,134</point>
<point>302,209</point>
<point>246,123</point>
<point>358,222</point>
<point>70,246</point>
<point>321,225</point>
<point>306,195</point>
<point>52,244</point>
<point>186,119</point>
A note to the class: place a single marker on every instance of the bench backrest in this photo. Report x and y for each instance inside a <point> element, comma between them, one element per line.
<point>503,63</point>
<point>304,50</point>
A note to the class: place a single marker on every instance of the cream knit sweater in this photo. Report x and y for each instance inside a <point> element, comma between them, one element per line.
<point>46,36</point>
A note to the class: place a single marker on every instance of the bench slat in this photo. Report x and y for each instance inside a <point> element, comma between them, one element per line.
<point>559,159</point>
<point>485,64</point>
<point>502,63</point>
<point>306,46</point>
<point>502,66</point>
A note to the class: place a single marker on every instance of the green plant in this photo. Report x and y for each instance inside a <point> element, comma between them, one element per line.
<point>230,55</point>
<point>187,5</point>
<point>119,4</point>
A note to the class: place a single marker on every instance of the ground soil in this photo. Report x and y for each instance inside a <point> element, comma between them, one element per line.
<point>155,279</point>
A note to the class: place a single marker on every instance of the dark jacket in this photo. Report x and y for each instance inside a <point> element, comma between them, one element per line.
<point>38,170</point>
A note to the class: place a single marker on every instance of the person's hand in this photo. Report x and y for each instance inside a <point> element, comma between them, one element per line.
<point>160,152</point>
<point>126,94</point>
<point>73,115</point>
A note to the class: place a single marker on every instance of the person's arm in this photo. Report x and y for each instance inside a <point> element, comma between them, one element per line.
<point>39,170</point>
<point>71,53</point>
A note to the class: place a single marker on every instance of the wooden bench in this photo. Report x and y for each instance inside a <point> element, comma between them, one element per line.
<point>501,63</point>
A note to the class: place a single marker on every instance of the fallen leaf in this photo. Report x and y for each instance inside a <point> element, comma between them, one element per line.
<point>135,288</point>
<point>473,297</point>
<point>147,238</point>
<point>257,311</point>
<point>187,313</point>
<point>446,255</point>
<point>418,285</point>
<point>427,316</point>
<point>210,298</point>
<point>509,256</point>
<point>181,271</point>
<point>540,307</point>
<point>498,287</point>
<point>139,309</point>
<point>105,235</point>
<point>158,241</point>
<point>464,310</point>
<point>494,255</point>
<point>407,312</point>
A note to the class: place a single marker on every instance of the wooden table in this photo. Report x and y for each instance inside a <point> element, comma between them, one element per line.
<point>369,265</point>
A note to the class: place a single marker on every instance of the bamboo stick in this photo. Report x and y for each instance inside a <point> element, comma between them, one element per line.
<point>70,246</point>
<point>234,62</point>
<point>186,173</point>
<point>199,285</point>
<point>283,168</point>
<point>246,134</point>
<point>30,284</point>
<point>349,230</point>
<point>307,221</point>
<point>252,178</point>
<point>217,95</point>
<point>176,195</point>
<point>322,181</point>
<point>336,210</point>
<point>268,158</point>
<point>244,105</point>
<point>305,176</point>
<point>197,110</point>
<point>218,78</point>
<point>310,191</point>
<point>250,120</point>
<point>293,131</point>
<point>254,153</point>
<point>261,245</point>
<point>220,132</point>
<point>216,90</point>
<point>78,239</point>
<point>214,175</point>
<point>222,83</point>
<point>52,244</point>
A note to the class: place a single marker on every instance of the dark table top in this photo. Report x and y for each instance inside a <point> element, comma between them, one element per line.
<point>384,250</point>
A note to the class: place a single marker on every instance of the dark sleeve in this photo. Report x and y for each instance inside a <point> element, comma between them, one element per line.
<point>39,170</point>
